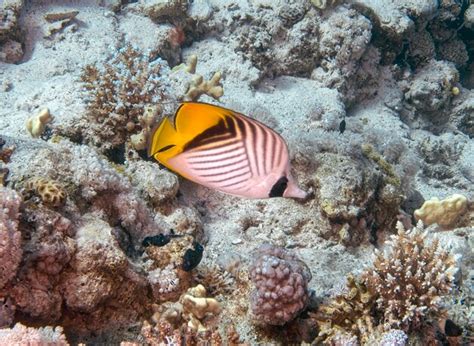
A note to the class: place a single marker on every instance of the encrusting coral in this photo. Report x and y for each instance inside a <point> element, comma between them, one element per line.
<point>281,285</point>
<point>445,212</point>
<point>50,191</point>
<point>410,279</point>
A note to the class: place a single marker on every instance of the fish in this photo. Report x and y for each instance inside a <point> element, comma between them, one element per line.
<point>342,126</point>
<point>192,257</point>
<point>156,240</point>
<point>224,150</point>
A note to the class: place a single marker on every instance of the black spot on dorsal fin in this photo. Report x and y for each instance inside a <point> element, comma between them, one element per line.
<point>279,187</point>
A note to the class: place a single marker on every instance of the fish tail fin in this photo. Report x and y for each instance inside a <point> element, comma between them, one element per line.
<point>162,139</point>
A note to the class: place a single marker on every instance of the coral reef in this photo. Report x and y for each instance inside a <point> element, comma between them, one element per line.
<point>197,85</point>
<point>37,124</point>
<point>410,279</point>
<point>428,91</point>
<point>118,94</point>
<point>445,213</point>
<point>22,335</point>
<point>281,285</point>
<point>350,312</point>
<point>348,64</point>
<point>402,289</point>
<point>196,306</point>
<point>10,236</point>
<point>374,101</point>
<point>164,333</point>
<point>50,192</point>
<point>11,37</point>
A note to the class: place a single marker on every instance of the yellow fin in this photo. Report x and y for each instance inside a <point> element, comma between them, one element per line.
<point>193,118</point>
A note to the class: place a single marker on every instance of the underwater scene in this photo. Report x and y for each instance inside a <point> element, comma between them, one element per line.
<point>237,172</point>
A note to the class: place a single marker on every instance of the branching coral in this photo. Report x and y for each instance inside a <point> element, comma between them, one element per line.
<point>411,279</point>
<point>118,94</point>
<point>402,289</point>
<point>198,86</point>
<point>350,312</point>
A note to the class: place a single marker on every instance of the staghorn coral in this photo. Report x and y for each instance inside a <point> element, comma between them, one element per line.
<point>118,93</point>
<point>22,335</point>
<point>37,124</point>
<point>10,236</point>
<point>445,213</point>
<point>347,313</point>
<point>281,285</point>
<point>197,86</point>
<point>410,279</point>
<point>50,191</point>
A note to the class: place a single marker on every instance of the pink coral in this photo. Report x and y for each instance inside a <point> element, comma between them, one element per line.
<point>10,236</point>
<point>281,282</point>
<point>21,335</point>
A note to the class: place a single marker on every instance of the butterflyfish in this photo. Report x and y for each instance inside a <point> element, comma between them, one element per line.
<point>224,150</point>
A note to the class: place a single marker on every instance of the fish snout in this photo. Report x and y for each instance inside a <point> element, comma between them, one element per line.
<point>293,191</point>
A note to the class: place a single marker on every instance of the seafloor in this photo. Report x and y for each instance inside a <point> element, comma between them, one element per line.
<point>375,101</point>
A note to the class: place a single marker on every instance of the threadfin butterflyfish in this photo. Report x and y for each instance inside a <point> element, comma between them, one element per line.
<point>224,150</point>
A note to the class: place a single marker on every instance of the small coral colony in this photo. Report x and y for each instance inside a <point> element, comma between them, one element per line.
<point>82,250</point>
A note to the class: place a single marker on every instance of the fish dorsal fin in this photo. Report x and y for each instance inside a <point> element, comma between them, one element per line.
<point>193,118</point>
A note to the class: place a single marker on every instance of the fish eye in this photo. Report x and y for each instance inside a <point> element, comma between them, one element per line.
<point>279,187</point>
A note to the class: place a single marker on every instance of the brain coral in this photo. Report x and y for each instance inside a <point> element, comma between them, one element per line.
<point>10,236</point>
<point>281,285</point>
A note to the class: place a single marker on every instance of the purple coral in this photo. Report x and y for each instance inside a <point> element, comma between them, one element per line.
<point>281,285</point>
<point>10,236</point>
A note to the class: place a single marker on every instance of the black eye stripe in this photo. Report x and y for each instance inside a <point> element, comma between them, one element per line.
<point>279,187</point>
